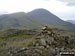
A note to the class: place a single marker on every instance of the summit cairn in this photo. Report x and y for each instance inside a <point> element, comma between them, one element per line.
<point>45,28</point>
<point>46,31</point>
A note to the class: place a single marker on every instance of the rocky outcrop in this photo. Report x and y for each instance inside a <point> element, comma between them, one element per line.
<point>47,42</point>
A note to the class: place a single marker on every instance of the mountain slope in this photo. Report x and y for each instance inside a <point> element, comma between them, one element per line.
<point>33,19</point>
<point>71,21</point>
<point>47,17</point>
<point>17,20</point>
<point>17,42</point>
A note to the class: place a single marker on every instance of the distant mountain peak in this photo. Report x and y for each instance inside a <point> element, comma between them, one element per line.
<point>71,21</point>
<point>41,10</point>
<point>33,19</point>
<point>45,16</point>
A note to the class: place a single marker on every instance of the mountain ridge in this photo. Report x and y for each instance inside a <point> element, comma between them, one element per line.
<point>19,20</point>
<point>47,17</point>
<point>34,19</point>
<point>71,21</point>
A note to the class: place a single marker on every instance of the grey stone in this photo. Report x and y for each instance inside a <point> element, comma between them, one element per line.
<point>43,41</point>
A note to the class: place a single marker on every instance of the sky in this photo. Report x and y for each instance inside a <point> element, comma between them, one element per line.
<point>64,9</point>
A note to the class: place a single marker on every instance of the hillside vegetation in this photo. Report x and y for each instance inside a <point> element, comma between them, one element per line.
<point>18,20</point>
<point>23,42</point>
<point>49,18</point>
<point>21,34</point>
<point>33,20</point>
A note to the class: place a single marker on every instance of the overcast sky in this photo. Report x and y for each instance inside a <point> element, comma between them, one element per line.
<point>65,9</point>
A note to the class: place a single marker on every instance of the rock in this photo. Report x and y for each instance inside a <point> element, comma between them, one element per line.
<point>48,46</point>
<point>41,47</point>
<point>52,52</point>
<point>43,42</point>
<point>37,44</point>
<point>35,54</point>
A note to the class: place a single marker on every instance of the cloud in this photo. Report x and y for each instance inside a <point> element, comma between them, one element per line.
<point>66,0</point>
<point>44,0</point>
<point>71,4</point>
<point>2,11</point>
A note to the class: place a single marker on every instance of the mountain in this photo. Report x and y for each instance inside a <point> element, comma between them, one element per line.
<point>71,21</point>
<point>17,20</point>
<point>33,20</point>
<point>47,17</point>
